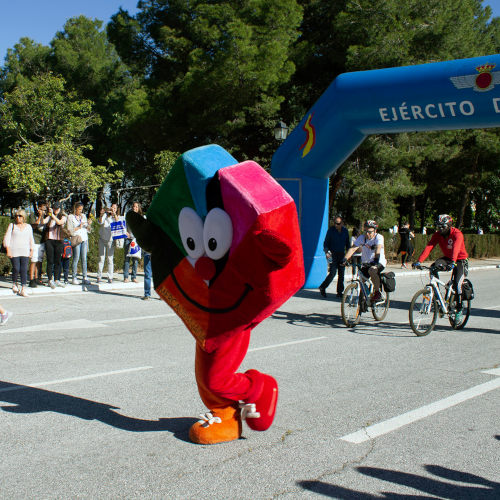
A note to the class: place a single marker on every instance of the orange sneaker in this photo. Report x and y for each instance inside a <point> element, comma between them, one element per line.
<point>217,426</point>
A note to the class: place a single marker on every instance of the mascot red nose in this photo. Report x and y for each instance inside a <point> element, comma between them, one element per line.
<point>226,253</point>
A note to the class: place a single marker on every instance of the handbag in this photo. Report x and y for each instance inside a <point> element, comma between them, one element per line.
<point>3,249</point>
<point>76,240</point>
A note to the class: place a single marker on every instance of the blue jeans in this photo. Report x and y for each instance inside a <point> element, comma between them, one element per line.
<point>80,251</point>
<point>147,274</point>
<point>126,266</point>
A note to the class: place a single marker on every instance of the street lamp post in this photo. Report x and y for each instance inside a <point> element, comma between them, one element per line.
<point>280,131</point>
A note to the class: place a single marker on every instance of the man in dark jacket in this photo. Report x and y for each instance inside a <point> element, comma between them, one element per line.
<point>335,246</point>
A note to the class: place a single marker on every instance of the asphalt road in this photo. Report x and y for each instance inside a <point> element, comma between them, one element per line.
<point>97,394</point>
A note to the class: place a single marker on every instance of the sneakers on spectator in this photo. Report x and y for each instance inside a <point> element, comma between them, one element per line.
<point>66,282</point>
<point>322,291</point>
<point>60,284</point>
<point>39,281</point>
<point>125,280</point>
<point>15,289</point>
<point>33,284</point>
<point>135,280</point>
<point>146,297</point>
<point>110,280</point>
<point>5,317</point>
<point>23,292</point>
<point>74,281</point>
<point>376,296</point>
<point>52,284</point>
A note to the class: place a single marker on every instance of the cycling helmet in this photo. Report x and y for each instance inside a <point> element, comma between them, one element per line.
<point>443,222</point>
<point>370,224</point>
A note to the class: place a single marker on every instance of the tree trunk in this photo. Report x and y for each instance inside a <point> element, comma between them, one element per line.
<point>413,206</point>
<point>463,205</point>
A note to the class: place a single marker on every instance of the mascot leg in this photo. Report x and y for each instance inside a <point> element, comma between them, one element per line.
<point>221,389</point>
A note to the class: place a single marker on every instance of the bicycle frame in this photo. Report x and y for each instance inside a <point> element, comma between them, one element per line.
<point>434,289</point>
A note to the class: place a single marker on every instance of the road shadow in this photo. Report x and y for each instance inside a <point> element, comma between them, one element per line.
<point>34,400</point>
<point>315,320</point>
<point>476,487</point>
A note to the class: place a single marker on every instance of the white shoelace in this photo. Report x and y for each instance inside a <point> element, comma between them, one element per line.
<point>248,410</point>
<point>208,419</point>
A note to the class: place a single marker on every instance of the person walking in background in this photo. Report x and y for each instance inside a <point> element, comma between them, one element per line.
<point>107,244</point>
<point>405,245</point>
<point>129,256</point>
<point>55,220</point>
<point>335,246</point>
<point>4,315</point>
<point>147,276</point>
<point>356,257</point>
<point>78,225</point>
<point>19,244</point>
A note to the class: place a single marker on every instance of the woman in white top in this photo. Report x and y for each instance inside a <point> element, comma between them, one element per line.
<point>78,225</point>
<point>19,243</point>
<point>54,243</point>
<point>107,244</point>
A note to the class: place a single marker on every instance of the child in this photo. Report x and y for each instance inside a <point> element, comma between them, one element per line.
<point>67,253</point>
<point>4,316</point>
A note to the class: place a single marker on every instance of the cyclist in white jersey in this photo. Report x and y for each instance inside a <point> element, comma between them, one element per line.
<point>373,259</point>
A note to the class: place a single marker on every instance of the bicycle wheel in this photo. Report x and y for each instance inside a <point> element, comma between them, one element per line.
<point>380,309</point>
<point>423,312</point>
<point>458,325</point>
<point>350,306</point>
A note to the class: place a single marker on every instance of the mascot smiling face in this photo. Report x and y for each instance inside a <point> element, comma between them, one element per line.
<point>225,243</point>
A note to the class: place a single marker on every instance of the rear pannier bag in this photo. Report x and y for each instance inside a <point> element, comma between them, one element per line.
<point>467,290</point>
<point>389,281</point>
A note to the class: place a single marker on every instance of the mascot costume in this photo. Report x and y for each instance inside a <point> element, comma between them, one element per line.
<point>225,253</point>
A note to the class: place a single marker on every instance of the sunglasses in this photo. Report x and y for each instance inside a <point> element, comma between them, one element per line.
<point>338,223</point>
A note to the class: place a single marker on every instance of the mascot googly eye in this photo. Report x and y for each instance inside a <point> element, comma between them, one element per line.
<point>226,253</point>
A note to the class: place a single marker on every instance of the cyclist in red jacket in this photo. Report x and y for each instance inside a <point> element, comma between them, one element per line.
<point>451,242</point>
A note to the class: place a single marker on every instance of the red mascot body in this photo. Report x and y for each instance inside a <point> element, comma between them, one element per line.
<point>226,253</point>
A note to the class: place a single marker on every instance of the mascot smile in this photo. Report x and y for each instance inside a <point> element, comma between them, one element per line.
<point>226,253</point>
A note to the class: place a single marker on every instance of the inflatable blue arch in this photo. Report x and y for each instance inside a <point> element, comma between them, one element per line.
<point>448,95</point>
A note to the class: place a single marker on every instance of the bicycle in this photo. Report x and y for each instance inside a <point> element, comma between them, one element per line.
<point>356,300</point>
<point>427,303</point>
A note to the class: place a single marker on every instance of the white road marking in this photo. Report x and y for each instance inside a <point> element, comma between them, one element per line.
<point>138,318</point>
<point>82,324</point>
<point>73,379</point>
<point>394,423</point>
<point>285,344</point>
<point>62,325</point>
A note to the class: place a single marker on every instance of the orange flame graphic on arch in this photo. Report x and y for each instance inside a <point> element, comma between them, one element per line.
<point>310,141</point>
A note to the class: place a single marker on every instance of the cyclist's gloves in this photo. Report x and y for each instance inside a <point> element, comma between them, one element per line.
<point>416,265</point>
<point>451,266</point>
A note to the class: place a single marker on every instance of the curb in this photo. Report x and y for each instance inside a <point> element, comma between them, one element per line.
<point>93,287</point>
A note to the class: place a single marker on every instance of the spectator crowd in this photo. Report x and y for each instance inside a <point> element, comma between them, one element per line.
<point>62,240</point>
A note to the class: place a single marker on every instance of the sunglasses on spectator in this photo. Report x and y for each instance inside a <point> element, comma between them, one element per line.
<point>19,215</point>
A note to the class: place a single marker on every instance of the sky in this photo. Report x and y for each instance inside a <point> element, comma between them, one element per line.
<point>41,19</point>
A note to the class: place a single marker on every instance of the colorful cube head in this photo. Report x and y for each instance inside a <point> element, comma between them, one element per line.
<point>229,253</point>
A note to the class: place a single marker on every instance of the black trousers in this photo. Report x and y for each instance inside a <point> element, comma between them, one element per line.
<point>332,271</point>
<point>53,251</point>
<point>458,275</point>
